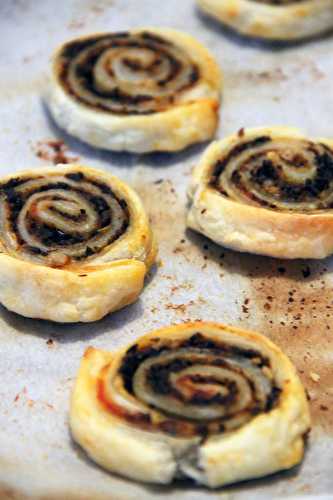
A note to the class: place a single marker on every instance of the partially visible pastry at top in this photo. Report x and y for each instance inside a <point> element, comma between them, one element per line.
<point>267,191</point>
<point>273,19</point>
<point>139,91</point>
<point>75,243</point>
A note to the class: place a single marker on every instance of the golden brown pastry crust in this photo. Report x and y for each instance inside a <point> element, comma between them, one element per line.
<point>75,243</point>
<point>111,408</point>
<point>237,222</point>
<point>290,20</point>
<point>114,113</point>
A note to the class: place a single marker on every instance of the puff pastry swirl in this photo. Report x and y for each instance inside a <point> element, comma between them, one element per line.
<point>75,243</point>
<point>267,191</point>
<point>139,91</point>
<point>192,400</point>
<point>273,19</point>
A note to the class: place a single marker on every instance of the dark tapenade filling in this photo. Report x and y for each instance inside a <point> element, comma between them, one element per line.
<point>159,373</point>
<point>49,235</point>
<point>267,176</point>
<point>158,379</point>
<point>84,70</point>
<point>237,150</point>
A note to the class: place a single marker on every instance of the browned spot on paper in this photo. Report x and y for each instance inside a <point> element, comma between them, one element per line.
<point>182,308</point>
<point>75,24</point>
<point>11,89</point>
<point>165,211</point>
<point>88,12</point>
<point>167,214</point>
<point>297,314</point>
<point>262,77</point>
<point>54,151</point>
<point>9,493</point>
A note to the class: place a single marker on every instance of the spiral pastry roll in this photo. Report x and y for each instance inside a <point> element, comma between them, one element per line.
<point>273,19</point>
<point>75,243</point>
<point>138,91</point>
<point>200,400</point>
<point>267,191</point>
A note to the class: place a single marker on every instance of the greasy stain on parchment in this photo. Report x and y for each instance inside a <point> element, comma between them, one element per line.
<point>9,493</point>
<point>294,303</point>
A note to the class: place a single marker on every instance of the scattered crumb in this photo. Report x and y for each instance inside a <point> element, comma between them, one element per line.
<point>74,25</point>
<point>179,307</point>
<point>314,376</point>
<point>53,151</point>
<point>177,250</point>
<point>306,272</point>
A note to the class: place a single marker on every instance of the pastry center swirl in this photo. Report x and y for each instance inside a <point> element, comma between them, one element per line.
<point>60,218</point>
<point>199,386</point>
<point>281,174</point>
<point>126,73</point>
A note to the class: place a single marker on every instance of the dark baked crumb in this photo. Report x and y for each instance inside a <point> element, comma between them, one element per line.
<point>306,272</point>
<point>54,151</point>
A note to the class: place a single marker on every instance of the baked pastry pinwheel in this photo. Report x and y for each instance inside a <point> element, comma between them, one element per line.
<point>267,191</point>
<point>139,91</point>
<point>75,243</point>
<point>273,19</point>
<point>203,401</point>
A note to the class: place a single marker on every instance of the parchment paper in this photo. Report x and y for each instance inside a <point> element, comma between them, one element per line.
<point>291,302</point>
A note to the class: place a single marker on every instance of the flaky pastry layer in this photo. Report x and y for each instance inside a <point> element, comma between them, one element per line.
<point>190,116</point>
<point>75,243</point>
<point>249,227</point>
<point>265,19</point>
<point>106,416</point>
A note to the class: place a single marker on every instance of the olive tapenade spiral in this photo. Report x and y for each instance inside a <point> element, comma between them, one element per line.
<point>75,243</point>
<point>185,396</point>
<point>198,386</point>
<point>280,174</point>
<point>267,191</point>
<point>141,90</point>
<point>60,218</point>
<point>126,73</point>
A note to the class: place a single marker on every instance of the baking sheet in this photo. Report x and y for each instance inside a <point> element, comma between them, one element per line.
<point>290,302</point>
